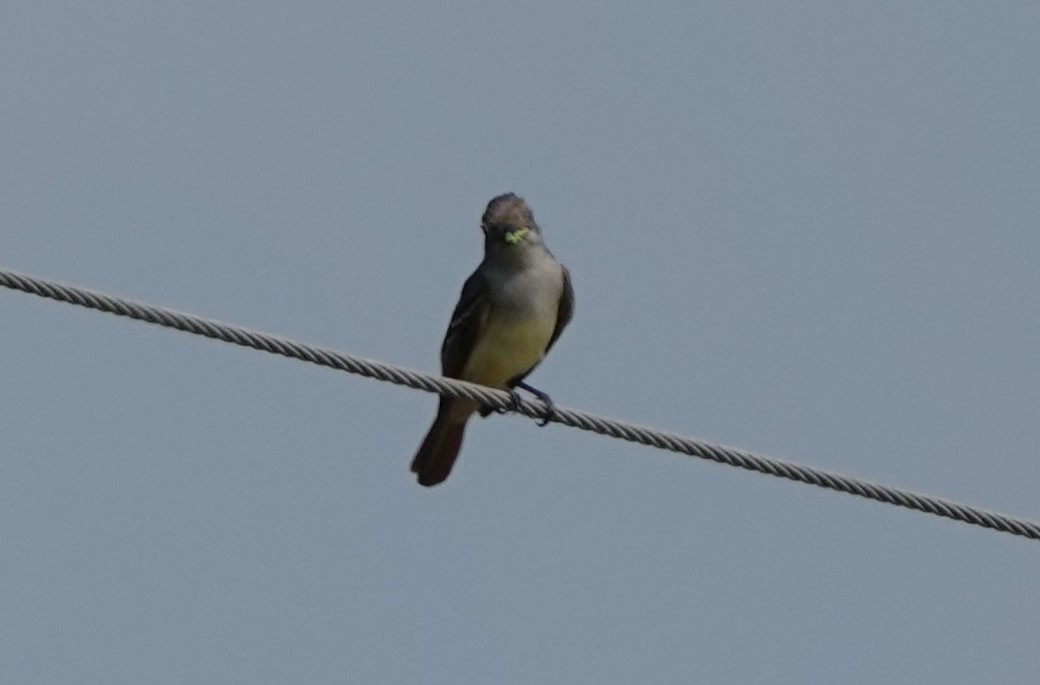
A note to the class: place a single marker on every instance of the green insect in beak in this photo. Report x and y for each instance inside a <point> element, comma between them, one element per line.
<point>515,236</point>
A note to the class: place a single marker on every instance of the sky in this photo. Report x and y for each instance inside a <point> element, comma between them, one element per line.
<point>807,229</point>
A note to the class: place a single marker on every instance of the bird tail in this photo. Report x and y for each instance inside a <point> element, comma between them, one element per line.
<point>438,450</point>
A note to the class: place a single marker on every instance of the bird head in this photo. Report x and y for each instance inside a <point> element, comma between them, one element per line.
<point>509,223</point>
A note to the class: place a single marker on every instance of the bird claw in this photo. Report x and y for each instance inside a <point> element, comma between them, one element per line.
<point>514,403</point>
<point>550,412</point>
<point>550,408</point>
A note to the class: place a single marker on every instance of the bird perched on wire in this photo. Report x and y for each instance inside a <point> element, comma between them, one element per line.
<point>511,312</point>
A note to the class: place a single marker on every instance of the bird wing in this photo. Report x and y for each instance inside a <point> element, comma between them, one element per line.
<point>468,319</point>
<point>566,310</point>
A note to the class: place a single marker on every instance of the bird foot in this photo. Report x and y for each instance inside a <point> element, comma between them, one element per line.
<point>550,408</point>
<point>514,403</point>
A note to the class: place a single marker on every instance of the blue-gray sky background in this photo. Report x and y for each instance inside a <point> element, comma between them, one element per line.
<point>808,229</point>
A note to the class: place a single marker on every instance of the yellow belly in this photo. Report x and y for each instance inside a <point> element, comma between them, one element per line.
<point>507,349</point>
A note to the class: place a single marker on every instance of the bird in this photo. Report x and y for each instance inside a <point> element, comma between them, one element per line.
<point>511,312</point>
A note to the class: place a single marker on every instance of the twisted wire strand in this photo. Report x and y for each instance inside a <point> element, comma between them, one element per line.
<point>504,401</point>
